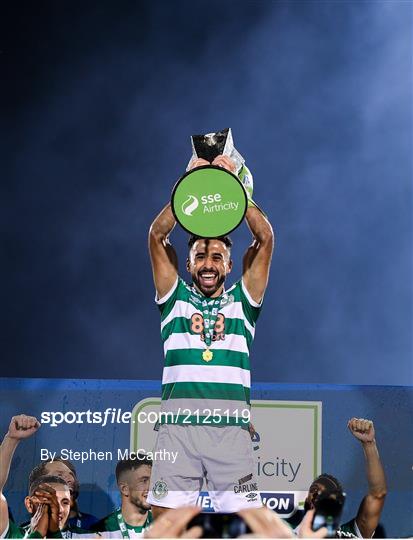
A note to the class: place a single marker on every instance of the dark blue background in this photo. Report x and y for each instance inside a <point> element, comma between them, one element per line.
<point>98,101</point>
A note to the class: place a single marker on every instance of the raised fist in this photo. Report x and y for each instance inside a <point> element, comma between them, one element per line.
<point>362,429</point>
<point>22,426</point>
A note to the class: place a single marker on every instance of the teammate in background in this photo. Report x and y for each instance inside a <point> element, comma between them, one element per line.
<point>66,470</point>
<point>368,515</point>
<point>49,497</point>
<point>207,334</point>
<point>134,515</point>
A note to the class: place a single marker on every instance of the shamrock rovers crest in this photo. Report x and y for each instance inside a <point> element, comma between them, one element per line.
<point>160,489</point>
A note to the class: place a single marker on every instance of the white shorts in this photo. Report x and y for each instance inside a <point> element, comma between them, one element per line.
<point>220,455</point>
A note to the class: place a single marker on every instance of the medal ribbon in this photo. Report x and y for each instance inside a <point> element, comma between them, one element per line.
<point>210,308</point>
<point>210,312</point>
<point>122,525</point>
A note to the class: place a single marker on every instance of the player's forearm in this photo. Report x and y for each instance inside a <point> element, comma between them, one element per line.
<point>374,470</point>
<point>7,448</point>
<point>260,227</point>
<point>163,224</point>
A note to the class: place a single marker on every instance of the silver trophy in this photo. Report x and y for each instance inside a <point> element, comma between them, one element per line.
<point>211,145</point>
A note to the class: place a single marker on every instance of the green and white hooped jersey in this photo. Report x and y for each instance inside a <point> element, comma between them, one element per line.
<point>111,527</point>
<point>196,391</point>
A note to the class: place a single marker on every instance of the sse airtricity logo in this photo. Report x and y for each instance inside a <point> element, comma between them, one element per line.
<point>190,205</point>
<point>209,202</point>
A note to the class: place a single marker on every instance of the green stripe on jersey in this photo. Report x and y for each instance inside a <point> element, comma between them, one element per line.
<point>192,357</point>
<point>180,292</point>
<point>196,390</point>
<point>14,531</point>
<point>182,325</point>
<point>110,524</point>
<point>250,312</point>
<point>184,293</point>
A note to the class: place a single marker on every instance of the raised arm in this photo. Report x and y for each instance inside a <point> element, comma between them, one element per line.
<point>163,257</point>
<point>21,427</point>
<point>257,258</point>
<point>370,509</point>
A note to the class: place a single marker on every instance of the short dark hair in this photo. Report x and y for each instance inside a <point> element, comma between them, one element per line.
<point>46,479</point>
<point>328,481</point>
<point>224,239</point>
<point>130,464</point>
<point>40,470</point>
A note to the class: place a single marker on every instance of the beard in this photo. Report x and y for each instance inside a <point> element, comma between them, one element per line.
<point>141,504</point>
<point>208,291</point>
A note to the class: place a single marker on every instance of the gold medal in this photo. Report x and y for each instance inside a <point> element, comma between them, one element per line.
<point>207,355</point>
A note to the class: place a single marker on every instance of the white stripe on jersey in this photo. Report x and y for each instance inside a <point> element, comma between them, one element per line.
<point>186,309</point>
<point>206,374</point>
<point>180,309</point>
<point>184,340</point>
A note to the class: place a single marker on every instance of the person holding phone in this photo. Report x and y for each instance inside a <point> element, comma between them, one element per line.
<point>369,512</point>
